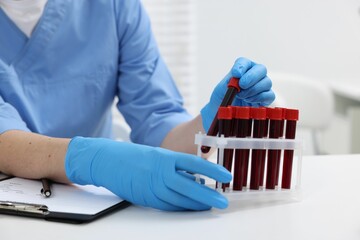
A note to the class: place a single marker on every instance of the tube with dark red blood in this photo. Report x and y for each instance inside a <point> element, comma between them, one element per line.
<point>242,116</point>
<point>291,117</point>
<point>225,116</point>
<point>281,136</point>
<point>259,117</point>
<point>275,116</point>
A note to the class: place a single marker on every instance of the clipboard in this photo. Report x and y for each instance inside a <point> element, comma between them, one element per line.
<point>70,203</point>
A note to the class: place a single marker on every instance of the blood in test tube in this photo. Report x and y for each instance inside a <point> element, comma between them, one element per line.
<point>263,156</point>
<point>233,89</point>
<point>246,163</point>
<point>241,125</point>
<point>291,117</point>
<point>275,117</point>
<point>281,136</point>
<point>259,118</point>
<point>225,116</point>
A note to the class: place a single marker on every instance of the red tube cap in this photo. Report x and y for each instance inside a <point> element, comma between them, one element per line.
<point>283,111</point>
<point>225,113</point>
<point>258,113</point>
<point>234,83</point>
<point>242,112</point>
<point>275,113</point>
<point>292,114</point>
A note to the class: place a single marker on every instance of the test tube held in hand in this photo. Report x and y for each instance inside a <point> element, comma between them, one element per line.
<point>225,117</point>
<point>291,117</point>
<point>242,116</point>
<point>275,117</point>
<point>259,118</point>
<point>233,89</point>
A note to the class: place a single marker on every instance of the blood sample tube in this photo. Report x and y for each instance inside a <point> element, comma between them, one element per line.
<point>291,117</point>
<point>246,163</point>
<point>263,156</point>
<point>281,136</point>
<point>275,116</point>
<point>233,89</point>
<point>241,125</point>
<point>225,116</point>
<point>259,117</point>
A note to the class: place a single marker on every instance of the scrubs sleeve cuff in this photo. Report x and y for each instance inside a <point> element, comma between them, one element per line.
<point>157,133</point>
<point>6,125</point>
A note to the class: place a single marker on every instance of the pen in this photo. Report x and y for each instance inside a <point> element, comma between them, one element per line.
<point>45,191</point>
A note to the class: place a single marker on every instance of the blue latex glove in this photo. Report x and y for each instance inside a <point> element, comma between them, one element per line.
<point>255,89</point>
<point>143,175</point>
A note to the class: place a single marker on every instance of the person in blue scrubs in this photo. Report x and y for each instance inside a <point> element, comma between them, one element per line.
<point>57,87</point>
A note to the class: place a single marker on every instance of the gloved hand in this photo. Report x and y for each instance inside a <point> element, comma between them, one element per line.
<point>255,89</point>
<point>144,175</point>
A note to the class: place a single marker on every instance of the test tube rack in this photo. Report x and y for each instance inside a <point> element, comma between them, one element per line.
<point>221,143</point>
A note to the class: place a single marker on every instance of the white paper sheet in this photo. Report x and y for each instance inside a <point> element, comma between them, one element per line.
<point>64,198</point>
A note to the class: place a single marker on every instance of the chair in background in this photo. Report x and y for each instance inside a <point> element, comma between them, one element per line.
<point>314,100</point>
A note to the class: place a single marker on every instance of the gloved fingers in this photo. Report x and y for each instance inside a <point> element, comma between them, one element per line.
<point>146,196</point>
<point>262,99</point>
<point>174,198</point>
<point>164,206</point>
<point>262,86</point>
<point>196,164</point>
<point>241,66</point>
<point>162,191</point>
<point>253,76</point>
<point>191,176</point>
<point>197,192</point>
<point>241,102</point>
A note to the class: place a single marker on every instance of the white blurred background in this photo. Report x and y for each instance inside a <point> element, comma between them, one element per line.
<point>309,41</point>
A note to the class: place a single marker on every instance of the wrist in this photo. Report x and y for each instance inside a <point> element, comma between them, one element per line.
<point>78,160</point>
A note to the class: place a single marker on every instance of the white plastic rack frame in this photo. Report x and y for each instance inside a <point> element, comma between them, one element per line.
<point>221,143</point>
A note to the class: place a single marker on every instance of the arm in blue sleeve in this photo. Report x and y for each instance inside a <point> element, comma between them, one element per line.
<point>10,118</point>
<point>148,96</point>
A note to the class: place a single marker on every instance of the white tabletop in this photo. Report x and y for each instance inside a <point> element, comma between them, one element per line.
<point>330,209</point>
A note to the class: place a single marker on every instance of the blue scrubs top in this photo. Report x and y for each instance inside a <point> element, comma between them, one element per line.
<point>81,55</point>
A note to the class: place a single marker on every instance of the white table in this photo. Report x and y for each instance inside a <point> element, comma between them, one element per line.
<point>330,209</point>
